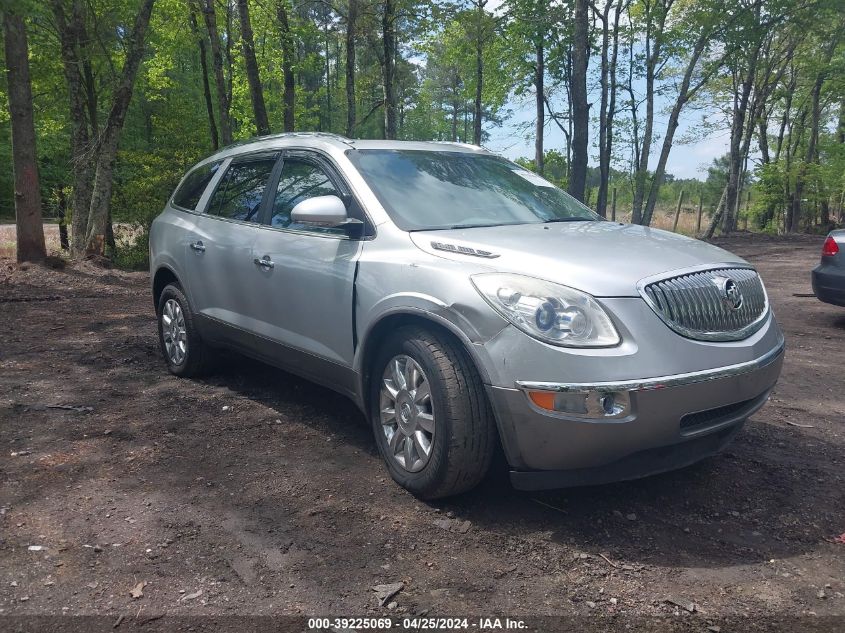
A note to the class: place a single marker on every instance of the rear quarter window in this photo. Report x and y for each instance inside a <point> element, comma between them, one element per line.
<point>188,194</point>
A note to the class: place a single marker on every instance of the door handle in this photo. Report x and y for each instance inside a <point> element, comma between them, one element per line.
<point>198,246</point>
<point>264,262</point>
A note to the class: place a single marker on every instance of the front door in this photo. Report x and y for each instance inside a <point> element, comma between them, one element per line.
<point>309,272</point>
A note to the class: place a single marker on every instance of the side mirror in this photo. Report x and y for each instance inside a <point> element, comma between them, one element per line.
<point>326,211</point>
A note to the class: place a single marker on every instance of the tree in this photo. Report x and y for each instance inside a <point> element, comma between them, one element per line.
<point>287,44</point>
<point>388,38</point>
<point>206,87</point>
<point>256,92</point>
<point>109,144</point>
<point>534,29</point>
<point>72,36</point>
<point>481,33</point>
<point>28,224</point>
<point>696,30</point>
<point>210,16</point>
<point>351,34</point>
<point>98,214</point>
<point>655,14</point>
<point>580,107</point>
<point>812,156</point>
<point>607,108</point>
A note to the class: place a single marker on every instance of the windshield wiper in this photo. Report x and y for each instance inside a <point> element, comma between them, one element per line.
<point>473,226</point>
<point>574,219</point>
<point>466,226</point>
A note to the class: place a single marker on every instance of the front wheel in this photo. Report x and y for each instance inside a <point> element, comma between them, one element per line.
<point>430,414</point>
<point>183,349</point>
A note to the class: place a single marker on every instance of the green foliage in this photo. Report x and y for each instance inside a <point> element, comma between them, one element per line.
<point>167,127</point>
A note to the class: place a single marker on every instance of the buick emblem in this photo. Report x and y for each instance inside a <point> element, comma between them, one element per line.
<point>729,292</point>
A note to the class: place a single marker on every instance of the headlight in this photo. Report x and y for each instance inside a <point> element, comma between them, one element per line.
<point>550,312</point>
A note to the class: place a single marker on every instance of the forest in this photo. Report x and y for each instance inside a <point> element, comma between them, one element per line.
<point>105,103</point>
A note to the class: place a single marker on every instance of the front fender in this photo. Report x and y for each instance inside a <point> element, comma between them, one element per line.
<point>456,318</point>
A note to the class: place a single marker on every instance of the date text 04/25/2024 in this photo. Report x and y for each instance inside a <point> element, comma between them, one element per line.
<point>416,624</point>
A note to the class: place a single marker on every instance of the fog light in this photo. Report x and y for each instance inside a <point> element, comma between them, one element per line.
<point>583,404</point>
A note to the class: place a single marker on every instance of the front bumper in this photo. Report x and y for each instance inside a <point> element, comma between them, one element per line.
<point>673,421</point>
<point>829,284</point>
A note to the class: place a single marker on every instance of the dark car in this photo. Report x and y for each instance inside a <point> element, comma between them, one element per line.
<point>829,275</point>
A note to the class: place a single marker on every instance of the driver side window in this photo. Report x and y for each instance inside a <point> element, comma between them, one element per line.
<point>239,194</point>
<point>300,180</point>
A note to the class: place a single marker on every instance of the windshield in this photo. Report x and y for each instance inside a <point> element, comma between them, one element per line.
<point>425,190</point>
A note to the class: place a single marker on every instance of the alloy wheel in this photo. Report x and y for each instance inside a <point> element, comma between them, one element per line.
<point>407,413</point>
<point>173,332</point>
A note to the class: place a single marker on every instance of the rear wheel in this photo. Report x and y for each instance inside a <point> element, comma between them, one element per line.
<point>183,349</point>
<point>430,415</point>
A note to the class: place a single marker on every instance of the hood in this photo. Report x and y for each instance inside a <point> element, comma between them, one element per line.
<point>605,259</point>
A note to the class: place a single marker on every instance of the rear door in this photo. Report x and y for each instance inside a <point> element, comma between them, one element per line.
<point>306,285</point>
<point>219,255</point>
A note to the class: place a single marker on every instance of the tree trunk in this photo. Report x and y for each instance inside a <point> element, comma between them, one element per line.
<point>90,89</point>
<point>100,209</point>
<point>256,92</point>
<point>329,118</point>
<point>604,173</point>
<point>351,25</point>
<point>700,209</point>
<point>717,216</point>
<point>61,216</point>
<point>740,111</point>
<point>289,96</point>
<point>388,32</point>
<point>479,71</point>
<point>455,111</point>
<point>580,107</point>
<point>678,211</point>
<point>28,223</point>
<point>479,79</point>
<point>608,100</point>
<point>613,206</point>
<point>83,166</point>
<point>840,127</point>
<point>206,87</point>
<point>635,124</point>
<point>229,58</point>
<point>539,89</point>
<point>219,80</point>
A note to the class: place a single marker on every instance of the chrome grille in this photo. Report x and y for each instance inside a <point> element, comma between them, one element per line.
<point>696,304</point>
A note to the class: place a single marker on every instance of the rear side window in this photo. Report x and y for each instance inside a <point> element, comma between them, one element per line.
<point>189,193</point>
<point>240,192</point>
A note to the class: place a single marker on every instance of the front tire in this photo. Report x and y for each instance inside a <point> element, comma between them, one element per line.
<point>430,414</point>
<point>184,351</point>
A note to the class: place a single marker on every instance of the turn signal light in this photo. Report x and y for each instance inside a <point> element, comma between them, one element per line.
<point>830,247</point>
<point>543,399</point>
<point>583,404</point>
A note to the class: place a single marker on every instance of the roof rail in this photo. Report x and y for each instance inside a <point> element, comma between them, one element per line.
<point>280,135</point>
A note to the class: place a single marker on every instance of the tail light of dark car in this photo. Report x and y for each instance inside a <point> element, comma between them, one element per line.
<point>830,247</point>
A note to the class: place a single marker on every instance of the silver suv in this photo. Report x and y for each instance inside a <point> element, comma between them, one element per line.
<point>462,302</point>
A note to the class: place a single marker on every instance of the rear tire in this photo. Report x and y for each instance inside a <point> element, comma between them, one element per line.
<point>451,431</point>
<point>184,351</point>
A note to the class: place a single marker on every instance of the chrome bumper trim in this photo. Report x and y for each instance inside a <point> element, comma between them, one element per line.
<point>661,382</point>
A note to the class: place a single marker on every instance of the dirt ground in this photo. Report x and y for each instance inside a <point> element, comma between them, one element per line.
<point>256,492</point>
